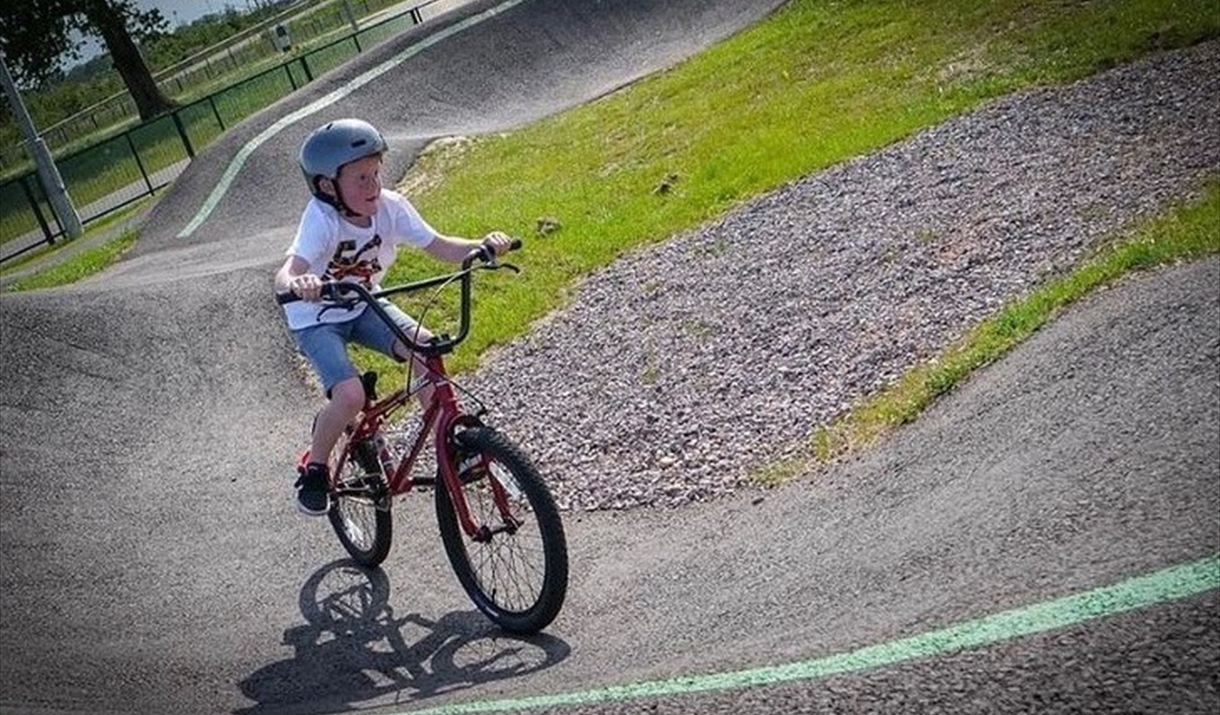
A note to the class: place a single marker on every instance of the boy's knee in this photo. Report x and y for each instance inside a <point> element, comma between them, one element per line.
<point>403,353</point>
<point>348,394</point>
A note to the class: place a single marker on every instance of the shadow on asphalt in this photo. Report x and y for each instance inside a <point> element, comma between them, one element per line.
<point>353,649</point>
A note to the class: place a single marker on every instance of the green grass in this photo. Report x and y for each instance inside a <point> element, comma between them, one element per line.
<point>815,84</point>
<point>86,263</point>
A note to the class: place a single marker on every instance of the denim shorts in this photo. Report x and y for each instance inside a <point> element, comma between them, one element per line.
<point>325,345</point>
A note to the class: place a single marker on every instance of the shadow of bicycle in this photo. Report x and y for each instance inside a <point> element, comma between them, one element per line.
<point>353,649</point>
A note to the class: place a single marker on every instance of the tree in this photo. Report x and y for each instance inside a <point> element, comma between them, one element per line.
<point>39,36</point>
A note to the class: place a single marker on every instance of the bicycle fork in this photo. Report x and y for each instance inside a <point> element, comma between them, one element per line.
<point>467,471</point>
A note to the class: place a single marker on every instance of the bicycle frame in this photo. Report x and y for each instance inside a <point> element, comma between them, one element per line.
<point>443,416</point>
<point>441,419</point>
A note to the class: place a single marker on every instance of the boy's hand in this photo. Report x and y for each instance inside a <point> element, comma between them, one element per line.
<point>498,241</point>
<point>307,286</point>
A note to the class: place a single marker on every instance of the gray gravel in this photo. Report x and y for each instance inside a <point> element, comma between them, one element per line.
<point>732,344</point>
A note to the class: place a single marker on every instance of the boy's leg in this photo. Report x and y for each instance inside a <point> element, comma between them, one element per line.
<point>313,489</point>
<point>346,400</point>
<point>424,395</point>
<point>326,348</point>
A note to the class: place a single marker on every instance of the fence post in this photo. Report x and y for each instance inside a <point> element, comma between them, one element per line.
<point>186,140</point>
<point>216,112</point>
<point>48,172</point>
<point>136,155</point>
<point>42,221</point>
<point>349,16</point>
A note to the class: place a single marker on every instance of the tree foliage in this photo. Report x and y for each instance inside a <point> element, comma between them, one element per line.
<point>207,31</point>
<point>38,37</point>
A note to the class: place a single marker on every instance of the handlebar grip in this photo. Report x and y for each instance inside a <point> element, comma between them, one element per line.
<point>330,291</point>
<point>485,254</point>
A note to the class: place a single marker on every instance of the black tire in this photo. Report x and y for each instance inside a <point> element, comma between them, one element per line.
<point>517,575</point>
<point>360,506</point>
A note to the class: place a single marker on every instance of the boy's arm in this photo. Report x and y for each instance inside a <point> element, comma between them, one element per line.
<point>453,248</point>
<point>314,235</point>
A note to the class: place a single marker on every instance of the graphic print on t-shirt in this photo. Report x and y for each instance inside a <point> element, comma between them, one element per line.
<point>348,263</point>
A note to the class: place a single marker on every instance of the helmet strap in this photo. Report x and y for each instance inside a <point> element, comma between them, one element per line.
<point>340,204</point>
<point>336,201</point>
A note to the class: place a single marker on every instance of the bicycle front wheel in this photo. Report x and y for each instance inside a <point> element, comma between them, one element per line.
<point>515,566</point>
<point>360,506</point>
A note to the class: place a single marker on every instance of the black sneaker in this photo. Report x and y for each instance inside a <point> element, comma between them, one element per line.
<point>312,497</point>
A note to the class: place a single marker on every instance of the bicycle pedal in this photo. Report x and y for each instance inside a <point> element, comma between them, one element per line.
<point>472,475</point>
<point>471,469</point>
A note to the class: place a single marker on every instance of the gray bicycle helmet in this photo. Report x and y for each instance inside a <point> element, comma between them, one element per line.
<point>334,144</point>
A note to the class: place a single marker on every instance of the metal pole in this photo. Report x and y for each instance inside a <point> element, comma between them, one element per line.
<point>48,173</point>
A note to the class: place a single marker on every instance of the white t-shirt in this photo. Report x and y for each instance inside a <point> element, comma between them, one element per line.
<point>338,251</point>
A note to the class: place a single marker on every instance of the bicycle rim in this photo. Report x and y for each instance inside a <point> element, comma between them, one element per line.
<point>516,568</point>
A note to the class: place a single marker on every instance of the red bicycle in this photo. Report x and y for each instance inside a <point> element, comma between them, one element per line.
<point>498,521</point>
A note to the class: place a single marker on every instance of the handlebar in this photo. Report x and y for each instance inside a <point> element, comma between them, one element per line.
<point>349,293</point>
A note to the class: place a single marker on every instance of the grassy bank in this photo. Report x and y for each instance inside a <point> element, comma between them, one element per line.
<point>815,84</point>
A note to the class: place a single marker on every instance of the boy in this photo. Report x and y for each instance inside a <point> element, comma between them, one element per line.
<point>350,230</point>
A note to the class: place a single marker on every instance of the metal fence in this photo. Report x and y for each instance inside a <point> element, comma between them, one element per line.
<point>116,172</point>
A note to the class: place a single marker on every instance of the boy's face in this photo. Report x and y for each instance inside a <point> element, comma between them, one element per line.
<point>359,184</point>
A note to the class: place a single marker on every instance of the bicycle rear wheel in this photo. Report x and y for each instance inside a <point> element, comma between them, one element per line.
<point>515,568</point>
<point>360,505</point>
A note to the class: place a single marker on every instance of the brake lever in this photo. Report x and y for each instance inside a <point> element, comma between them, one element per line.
<point>345,305</point>
<point>336,302</point>
<point>494,265</point>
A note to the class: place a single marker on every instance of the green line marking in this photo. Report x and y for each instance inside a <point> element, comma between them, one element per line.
<point>230,173</point>
<point>1173,583</point>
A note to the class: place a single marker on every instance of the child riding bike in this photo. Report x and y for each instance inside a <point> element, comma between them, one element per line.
<point>350,231</point>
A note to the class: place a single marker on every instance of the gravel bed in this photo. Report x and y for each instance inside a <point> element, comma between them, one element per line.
<point>679,369</point>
